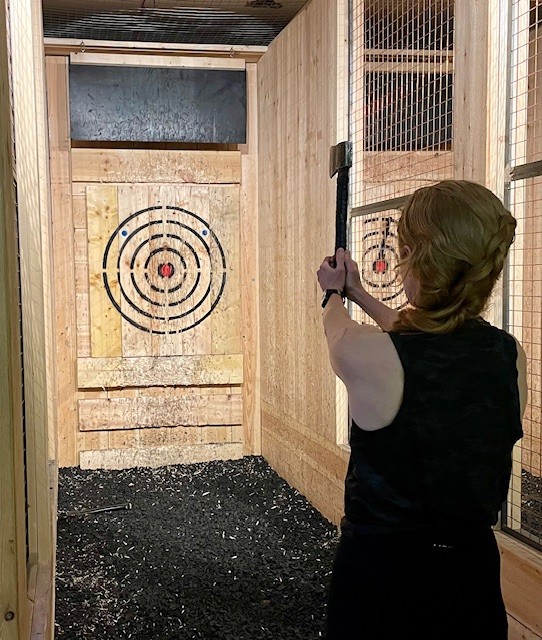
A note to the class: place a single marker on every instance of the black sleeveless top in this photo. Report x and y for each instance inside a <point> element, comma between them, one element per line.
<point>446,459</point>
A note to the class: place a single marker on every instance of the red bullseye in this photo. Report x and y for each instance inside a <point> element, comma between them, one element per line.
<point>380,266</point>
<point>166,270</point>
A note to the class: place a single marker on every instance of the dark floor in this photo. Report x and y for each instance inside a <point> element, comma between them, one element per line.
<point>218,550</point>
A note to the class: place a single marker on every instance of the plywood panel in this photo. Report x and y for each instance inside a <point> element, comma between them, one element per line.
<point>63,259</point>
<point>470,90</point>
<point>136,165</point>
<point>12,499</point>
<point>193,231</point>
<point>306,470</point>
<point>131,60</point>
<point>225,321</point>
<point>149,371</point>
<point>249,273</point>
<point>140,412</point>
<point>159,456</point>
<point>66,46</point>
<point>394,166</point>
<point>521,582</point>
<point>296,216</point>
<point>34,235</point>
<point>133,198</point>
<point>105,322</point>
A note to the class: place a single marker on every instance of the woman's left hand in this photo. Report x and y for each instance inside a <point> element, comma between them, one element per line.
<point>332,277</point>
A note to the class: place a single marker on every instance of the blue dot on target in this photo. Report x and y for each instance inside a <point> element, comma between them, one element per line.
<point>124,233</point>
<point>204,232</point>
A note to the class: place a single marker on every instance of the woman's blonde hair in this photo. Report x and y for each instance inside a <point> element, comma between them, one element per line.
<point>459,234</point>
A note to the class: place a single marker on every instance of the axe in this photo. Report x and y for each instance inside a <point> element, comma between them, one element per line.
<point>340,161</point>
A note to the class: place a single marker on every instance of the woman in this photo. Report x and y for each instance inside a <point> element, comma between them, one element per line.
<point>436,397</point>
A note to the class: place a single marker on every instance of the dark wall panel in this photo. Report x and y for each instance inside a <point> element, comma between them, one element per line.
<point>151,104</point>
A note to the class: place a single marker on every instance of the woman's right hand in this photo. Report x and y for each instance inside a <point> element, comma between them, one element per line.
<point>353,280</point>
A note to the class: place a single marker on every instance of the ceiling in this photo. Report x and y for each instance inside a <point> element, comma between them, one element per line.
<point>229,22</point>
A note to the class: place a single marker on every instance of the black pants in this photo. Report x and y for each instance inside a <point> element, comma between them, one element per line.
<point>443,586</point>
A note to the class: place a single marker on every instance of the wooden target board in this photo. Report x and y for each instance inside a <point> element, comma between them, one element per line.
<point>375,249</point>
<point>162,270</point>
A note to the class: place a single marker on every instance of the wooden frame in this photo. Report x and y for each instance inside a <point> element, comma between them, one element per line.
<point>70,165</point>
<point>13,576</point>
<point>181,62</point>
<point>27,574</point>
<point>65,46</point>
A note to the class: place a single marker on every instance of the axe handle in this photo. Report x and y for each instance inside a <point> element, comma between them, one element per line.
<point>341,214</point>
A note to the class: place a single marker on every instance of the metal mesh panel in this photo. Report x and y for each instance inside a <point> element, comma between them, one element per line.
<point>523,513</point>
<point>402,93</point>
<point>231,22</point>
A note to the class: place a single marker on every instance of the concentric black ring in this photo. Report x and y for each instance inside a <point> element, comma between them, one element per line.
<point>379,257</point>
<point>154,297</point>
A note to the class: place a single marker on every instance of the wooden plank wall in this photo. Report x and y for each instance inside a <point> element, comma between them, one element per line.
<point>34,236</point>
<point>32,472</point>
<point>297,126</point>
<point>12,499</point>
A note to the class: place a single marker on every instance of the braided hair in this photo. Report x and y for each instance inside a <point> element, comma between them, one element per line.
<point>459,234</point>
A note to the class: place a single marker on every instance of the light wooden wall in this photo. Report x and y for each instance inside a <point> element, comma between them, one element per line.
<point>12,499</point>
<point>297,118</point>
<point>27,553</point>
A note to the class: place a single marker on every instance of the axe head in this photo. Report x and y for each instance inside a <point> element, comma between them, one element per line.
<point>340,157</point>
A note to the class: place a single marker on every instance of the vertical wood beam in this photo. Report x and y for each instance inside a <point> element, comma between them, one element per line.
<point>250,289</point>
<point>34,233</point>
<point>470,89</point>
<point>12,499</point>
<point>34,236</point>
<point>65,326</point>
<point>343,133</point>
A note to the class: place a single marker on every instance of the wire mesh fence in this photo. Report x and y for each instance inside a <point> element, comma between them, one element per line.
<point>230,22</point>
<point>401,95</point>
<point>523,515</point>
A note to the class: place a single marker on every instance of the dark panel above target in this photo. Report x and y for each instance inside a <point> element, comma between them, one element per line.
<point>154,104</point>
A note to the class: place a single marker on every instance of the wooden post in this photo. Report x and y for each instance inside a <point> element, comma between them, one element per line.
<point>249,273</point>
<point>31,173</point>
<point>62,216</point>
<point>343,131</point>
<point>13,600</point>
<point>470,91</point>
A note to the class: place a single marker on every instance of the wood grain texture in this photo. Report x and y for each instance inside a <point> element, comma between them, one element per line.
<point>249,280</point>
<point>141,412</point>
<point>63,257</point>
<point>130,60</point>
<point>297,98</point>
<point>149,371</point>
<point>470,90</point>
<point>12,498</point>
<point>66,46</point>
<point>521,583</point>
<point>158,437</point>
<point>159,456</point>
<point>105,321</point>
<point>34,242</point>
<point>137,165</point>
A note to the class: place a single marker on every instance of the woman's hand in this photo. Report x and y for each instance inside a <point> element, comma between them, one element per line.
<point>332,272</point>
<point>353,284</point>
